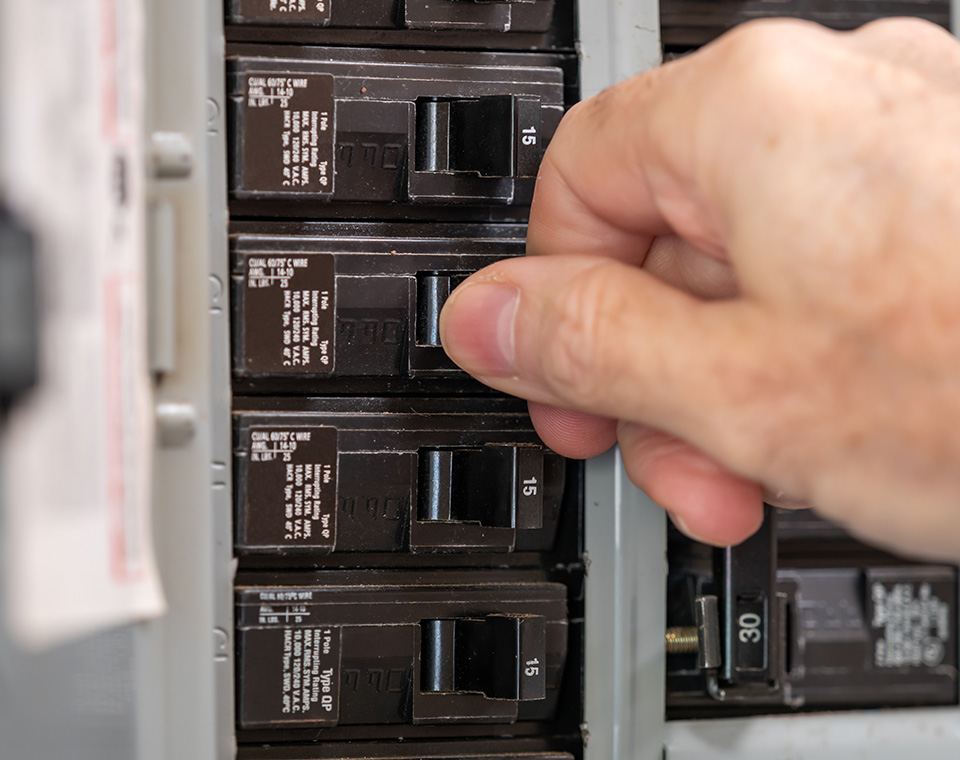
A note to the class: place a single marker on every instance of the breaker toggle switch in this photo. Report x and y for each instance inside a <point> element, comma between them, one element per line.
<point>433,290</point>
<point>746,622</point>
<point>492,136</point>
<point>500,656</point>
<point>497,486</point>
<point>479,15</point>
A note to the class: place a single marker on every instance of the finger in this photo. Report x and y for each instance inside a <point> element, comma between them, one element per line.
<point>778,498</point>
<point>674,261</point>
<point>705,501</point>
<point>602,337</point>
<point>660,152</point>
<point>560,223</point>
<point>589,198</point>
<point>573,434</point>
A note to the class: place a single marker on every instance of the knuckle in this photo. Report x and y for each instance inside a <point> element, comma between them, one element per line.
<point>598,110</point>
<point>903,29</point>
<point>769,35</point>
<point>573,359</point>
<point>771,60</point>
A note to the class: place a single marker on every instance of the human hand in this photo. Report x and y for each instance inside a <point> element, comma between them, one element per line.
<point>744,266</point>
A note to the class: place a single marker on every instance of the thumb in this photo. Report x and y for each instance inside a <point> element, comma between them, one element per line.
<point>599,336</point>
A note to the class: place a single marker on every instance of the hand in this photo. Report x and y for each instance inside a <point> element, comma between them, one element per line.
<point>744,266</point>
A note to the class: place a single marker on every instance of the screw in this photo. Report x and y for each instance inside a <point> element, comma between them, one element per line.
<point>682,640</point>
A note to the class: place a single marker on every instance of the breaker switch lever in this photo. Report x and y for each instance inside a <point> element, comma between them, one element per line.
<point>498,486</point>
<point>479,15</point>
<point>495,136</point>
<point>750,614</point>
<point>500,656</point>
<point>433,290</point>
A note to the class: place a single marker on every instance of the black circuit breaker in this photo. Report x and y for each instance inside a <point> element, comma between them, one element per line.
<point>336,475</point>
<point>386,126</point>
<point>419,647</point>
<point>812,620</point>
<point>314,302</point>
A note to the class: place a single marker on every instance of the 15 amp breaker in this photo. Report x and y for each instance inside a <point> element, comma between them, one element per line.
<point>315,302</point>
<point>327,476</point>
<point>334,648</point>
<point>387,126</point>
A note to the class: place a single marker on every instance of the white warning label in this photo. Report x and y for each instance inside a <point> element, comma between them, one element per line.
<point>911,624</point>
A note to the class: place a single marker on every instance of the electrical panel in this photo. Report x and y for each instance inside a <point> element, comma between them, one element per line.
<point>410,554</point>
<point>391,563</point>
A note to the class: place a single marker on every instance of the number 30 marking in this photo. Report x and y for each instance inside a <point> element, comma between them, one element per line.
<point>749,623</point>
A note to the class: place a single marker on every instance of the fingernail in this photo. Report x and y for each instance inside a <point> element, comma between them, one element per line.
<point>477,328</point>
<point>685,529</point>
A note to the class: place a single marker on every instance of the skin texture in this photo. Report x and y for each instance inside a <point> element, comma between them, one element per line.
<point>744,266</point>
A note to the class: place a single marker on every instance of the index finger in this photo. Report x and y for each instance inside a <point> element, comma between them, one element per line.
<point>649,155</point>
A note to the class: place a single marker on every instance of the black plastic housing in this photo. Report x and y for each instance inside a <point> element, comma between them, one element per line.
<point>383,23</point>
<point>421,475</point>
<point>318,302</point>
<point>858,629</point>
<point>334,648</point>
<point>323,126</point>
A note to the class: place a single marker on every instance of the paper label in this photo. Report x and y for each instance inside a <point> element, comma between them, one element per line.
<point>77,453</point>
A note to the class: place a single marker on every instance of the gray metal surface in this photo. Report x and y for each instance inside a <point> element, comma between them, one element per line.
<point>618,38</point>
<point>625,531</point>
<point>625,616</point>
<point>74,702</point>
<point>877,735</point>
<point>185,660</point>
